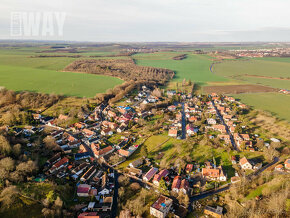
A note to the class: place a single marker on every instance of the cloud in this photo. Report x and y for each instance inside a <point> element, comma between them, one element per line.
<point>162,20</point>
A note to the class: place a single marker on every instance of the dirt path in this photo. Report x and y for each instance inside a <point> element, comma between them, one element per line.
<point>266,77</point>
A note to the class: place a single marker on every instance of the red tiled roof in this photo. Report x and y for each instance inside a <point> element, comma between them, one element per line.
<point>176,182</point>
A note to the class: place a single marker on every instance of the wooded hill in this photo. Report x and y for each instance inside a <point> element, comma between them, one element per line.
<point>122,68</point>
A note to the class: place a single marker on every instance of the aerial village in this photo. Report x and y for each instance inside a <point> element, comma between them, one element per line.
<point>89,158</point>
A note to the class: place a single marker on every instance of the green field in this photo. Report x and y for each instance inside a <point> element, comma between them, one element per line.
<point>194,67</point>
<point>19,72</point>
<point>275,103</point>
<point>270,67</point>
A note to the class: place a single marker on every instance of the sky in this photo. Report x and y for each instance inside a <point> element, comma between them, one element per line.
<point>151,20</point>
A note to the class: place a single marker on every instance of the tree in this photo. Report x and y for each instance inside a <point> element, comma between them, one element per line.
<point>26,167</point>
<point>270,153</point>
<point>50,143</point>
<point>183,199</point>
<point>184,82</point>
<point>9,196</point>
<point>7,163</point>
<point>16,150</point>
<point>50,196</point>
<point>163,187</point>
<point>123,180</point>
<point>135,186</point>
<point>5,147</point>
<point>243,146</point>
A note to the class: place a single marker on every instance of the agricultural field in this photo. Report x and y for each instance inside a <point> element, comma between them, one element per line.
<point>275,103</point>
<point>195,67</point>
<point>236,89</point>
<point>19,72</point>
<point>273,72</point>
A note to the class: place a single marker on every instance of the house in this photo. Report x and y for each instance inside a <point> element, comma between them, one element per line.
<point>172,132</point>
<point>172,108</point>
<point>89,215</point>
<point>279,168</point>
<point>79,169</point>
<point>54,158</point>
<point>83,190</point>
<point>113,126</point>
<point>211,121</point>
<point>150,174</point>
<point>170,93</point>
<point>58,165</point>
<point>88,174</point>
<point>190,130</point>
<point>214,174</point>
<point>245,137</point>
<point>184,186</point>
<point>62,117</point>
<point>245,164</point>
<point>36,116</point>
<point>102,152</point>
<point>189,168</point>
<point>235,179</point>
<point>234,160</point>
<point>287,164</point>
<point>220,128</point>
<point>192,119</point>
<point>257,166</point>
<point>122,127</point>
<point>80,125</point>
<point>107,132</point>
<point>84,155</point>
<point>214,212</point>
<point>134,171</point>
<point>163,173</point>
<point>111,114</point>
<point>88,133</point>
<point>104,191</point>
<point>225,137</point>
<point>125,153</point>
<point>136,163</point>
<point>161,207</point>
<point>176,184</point>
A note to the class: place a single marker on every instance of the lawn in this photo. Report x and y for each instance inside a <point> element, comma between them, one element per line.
<point>194,67</point>
<point>275,103</point>
<point>20,72</point>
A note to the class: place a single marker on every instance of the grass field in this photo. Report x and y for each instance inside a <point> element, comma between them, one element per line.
<point>269,67</point>
<point>273,67</point>
<point>194,67</point>
<point>275,83</point>
<point>19,72</point>
<point>275,103</point>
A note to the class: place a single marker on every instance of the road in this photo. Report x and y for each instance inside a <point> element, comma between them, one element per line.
<point>227,129</point>
<point>183,121</point>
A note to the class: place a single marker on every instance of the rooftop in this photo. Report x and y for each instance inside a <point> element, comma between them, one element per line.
<point>162,203</point>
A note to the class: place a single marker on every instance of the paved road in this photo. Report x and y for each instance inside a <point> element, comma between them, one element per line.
<point>209,193</point>
<point>227,129</point>
<point>115,197</point>
<point>183,121</point>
